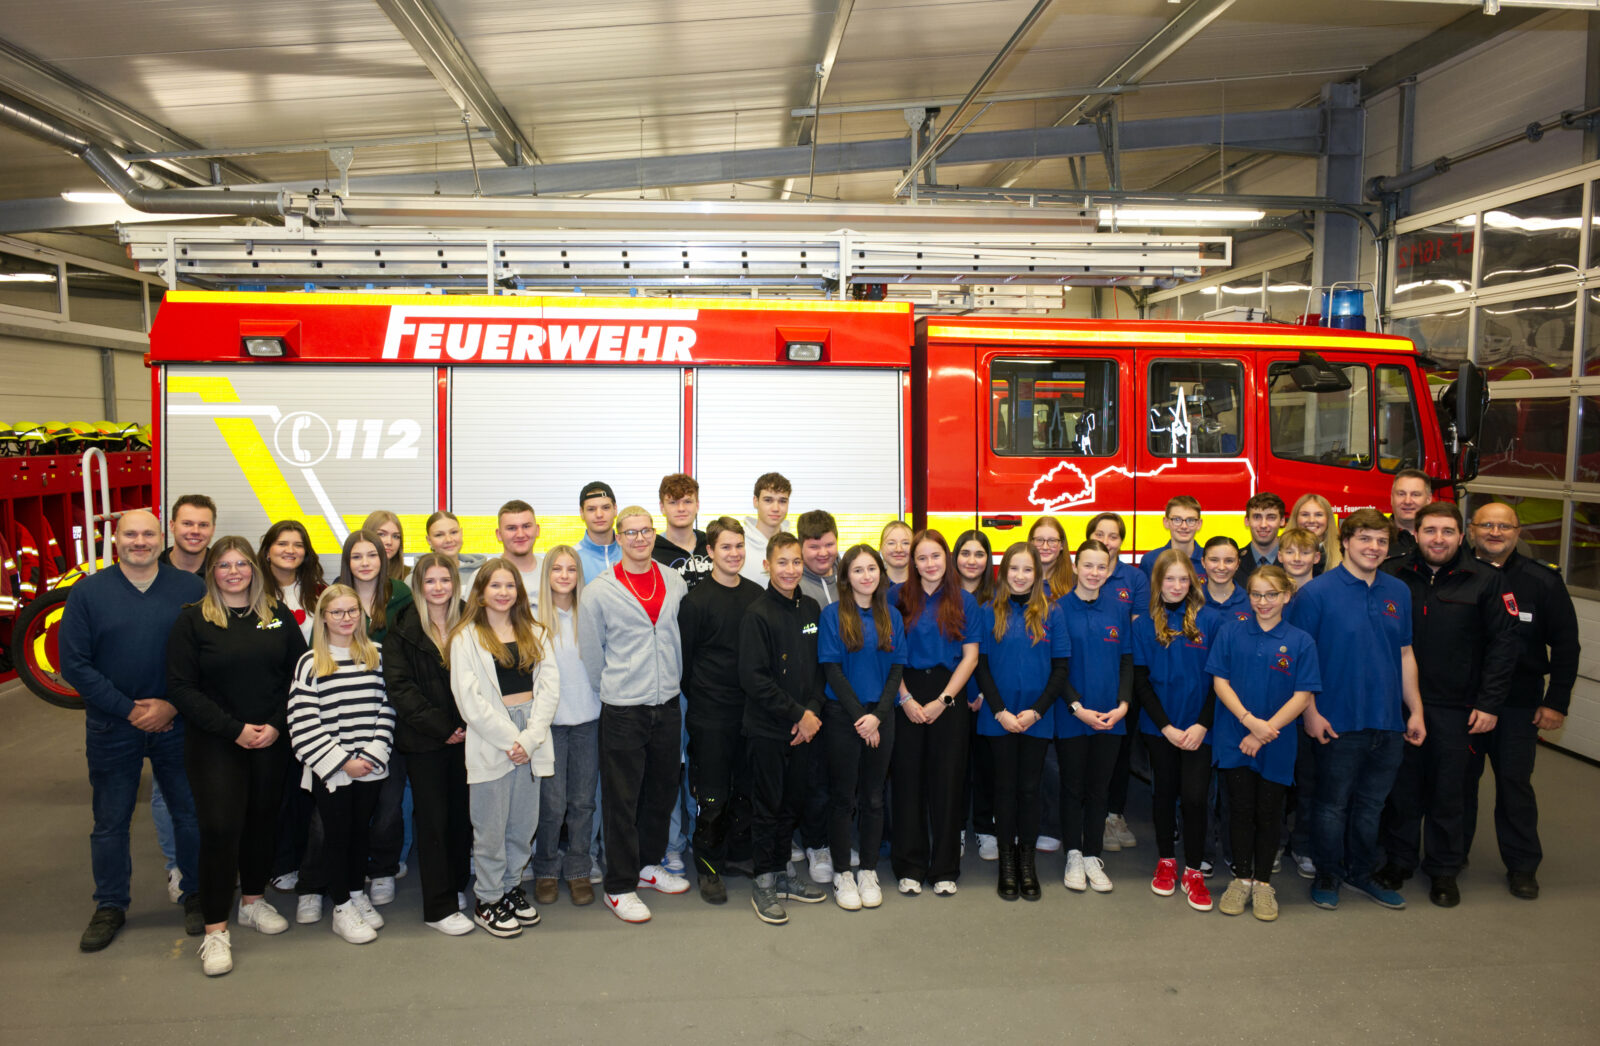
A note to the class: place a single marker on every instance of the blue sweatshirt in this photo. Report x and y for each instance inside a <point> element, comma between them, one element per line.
<point>597,559</point>
<point>114,637</point>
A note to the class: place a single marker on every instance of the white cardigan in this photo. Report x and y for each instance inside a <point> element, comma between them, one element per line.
<point>490,731</point>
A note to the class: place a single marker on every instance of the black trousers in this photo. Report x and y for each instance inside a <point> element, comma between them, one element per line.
<point>1086,765</point>
<point>1180,779</point>
<point>980,782</point>
<point>1122,772</point>
<point>929,765</point>
<point>717,780</point>
<point>1426,814</point>
<point>856,776</point>
<point>294,823</point>
<point>778,791</point>
<point>443,826</point>
<point>640,760</point>
<point>1255,821</point>
<point>1510,747</point>
<point>814,814</point>
<point>1018,768</point>
<point>346,815</point>
<point>388,821</point>
<point>236,796</point>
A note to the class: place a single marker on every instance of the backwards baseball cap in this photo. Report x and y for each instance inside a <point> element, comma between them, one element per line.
<point>596,490</point>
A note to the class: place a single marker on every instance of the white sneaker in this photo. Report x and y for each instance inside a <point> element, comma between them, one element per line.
<point>216,953</point>
<point>347,923</point>
<point>820,865</point>
<point>628,907</point>
<point>845,892</point>
<point>1075,879</point>
<point>369,914</point>
<point>381,890</point>
<point>597,875</point>
<point>1108,838</point>
<point>455,924</point>
<point>796,855</point>
<point>654,877</point>
<point>286,882</point>
<point>910,887</point>
<point>1117,825</point>
<point>673,862</point>
<point>988,847</point>
<point>944,887</point>
<point>1047,844</point>
<point>175,895</point>
<point>1095,869</point>
<point>308,908</point>
<point>871,892</point>
<point>262,916</point>
<point>1305,866</point>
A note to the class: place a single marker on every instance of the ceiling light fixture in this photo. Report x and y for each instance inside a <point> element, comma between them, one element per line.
<point>1194,216</point>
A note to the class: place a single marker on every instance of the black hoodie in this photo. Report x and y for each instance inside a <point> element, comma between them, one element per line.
<point>1463,631</point>
<point>778,663</point>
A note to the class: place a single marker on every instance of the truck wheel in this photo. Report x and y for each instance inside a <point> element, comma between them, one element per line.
<point>35,652</point>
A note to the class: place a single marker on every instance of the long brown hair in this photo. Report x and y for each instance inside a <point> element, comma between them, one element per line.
<point>476,618</point>
<point>1062,579</point>
<point>211,605</point>
<point>452,615</point>
<point>1038,608</point>
<point>308,575</point>
<point>378,616</point>
<point>986,581</point>
<point>952,616</point>
<point>397,568</point>
<point>1192,603</point>
<point>850,630</point>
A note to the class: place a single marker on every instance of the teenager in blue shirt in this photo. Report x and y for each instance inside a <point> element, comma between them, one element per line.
<point>1049,540</point>
<point>975,568</point>
<point>1266,672</point>
<point>1089,729</point>
<point>1171,643</point>
<point>1022,670</point>
<point>1129,586</point>
<point>1220,563</point>
<point>861,648</point>
<point>1181,520</point>
<point>931,725</point>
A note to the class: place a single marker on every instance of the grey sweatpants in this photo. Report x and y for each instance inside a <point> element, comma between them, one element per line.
<point>505,813</point>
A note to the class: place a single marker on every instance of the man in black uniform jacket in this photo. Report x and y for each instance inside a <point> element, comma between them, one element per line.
<point>1547,625</point>
<point>1464,635</point>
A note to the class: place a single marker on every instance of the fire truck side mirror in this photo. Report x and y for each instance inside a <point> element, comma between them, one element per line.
<point>1471,401</point>
<point>1314,374</point>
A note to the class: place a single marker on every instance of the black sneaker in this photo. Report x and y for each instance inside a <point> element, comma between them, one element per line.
<point>764,899</point>
<point>497,917</point>
<point>194,920</point>
<point>798,888</point>
<point>711,889</point>
<point>102,929</point>
<point>521,908</point>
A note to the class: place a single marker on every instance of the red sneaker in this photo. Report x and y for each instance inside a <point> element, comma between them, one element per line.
<point>1166,878</point>
<point>1194,888</point>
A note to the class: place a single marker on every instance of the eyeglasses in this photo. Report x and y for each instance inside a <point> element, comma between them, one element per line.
<point>1048,542</point>
<point>1265,597</point>
<point>343,614</point>
<point>642,532</point>
<point>1183,521</point>
<point>1498,528</point>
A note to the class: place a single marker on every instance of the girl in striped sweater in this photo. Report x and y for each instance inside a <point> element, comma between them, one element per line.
<point>341,726</point>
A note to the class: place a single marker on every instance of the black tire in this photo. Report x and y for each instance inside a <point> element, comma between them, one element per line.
<point>34,628</point>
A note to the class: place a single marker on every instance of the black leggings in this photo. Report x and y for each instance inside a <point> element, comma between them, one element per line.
<point>1018,762</point>
<point>856,775</point>
<point>1255,821</point>
<point>236,796</point>
<point>346,814</point>
<point>1180,778</point>
<point>929,766</point>
<point>1086,765</point>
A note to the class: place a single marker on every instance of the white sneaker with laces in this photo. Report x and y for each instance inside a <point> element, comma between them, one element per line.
<point>454,925</point>
<point>1305,866</point>
<point>1118,824</point>
<point>654,877</point>
<point>286,882</point>
<point>988,847</point>
<point>820,865</point>
<point>673,862</point>
<point>1047,844</point>
<point>1075,877</point>
<point>308,908</point>
<point>369,914</point>
<point>845,892</point>
<point>216,953</point>
<point>910,887</point>
<point>796,855</point>
<point>381,890</point>
<point>175,895</point>
<point>628,907</point>
<point>944,887</point>
<point>867,886</point>
<point>347,923</point>
<point>1095,869</point>
<point>263,916</point>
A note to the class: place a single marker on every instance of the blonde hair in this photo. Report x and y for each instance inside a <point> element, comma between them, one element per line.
<point>476,618</point>
<point>549,617</point>
<point>377,518</point>
<point>1331,556</point>
<point>211,605</point>
<point>630,512</point>
<point>452,616</point>
<point>1038,606</point>
<point>1193,603</point>
<point>363,651</point>
<point>1273,575</point>
<point>892,525</point>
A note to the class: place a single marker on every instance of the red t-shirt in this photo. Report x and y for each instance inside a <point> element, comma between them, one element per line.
<point>650,589</point>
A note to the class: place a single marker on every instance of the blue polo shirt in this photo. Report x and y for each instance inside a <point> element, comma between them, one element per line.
<point>1021,666</point>
<point>1098,633</point>
<point>1130,588</point>
<point>866,669</point>
<point>1359,630</point>
<point>1147,562</point>
<point>926,646</point>
<point>1177,671</point>
<point>1265,669</point>
<point>1236,607</point>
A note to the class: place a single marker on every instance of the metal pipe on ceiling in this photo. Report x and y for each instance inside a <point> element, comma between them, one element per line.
<point>1572,120</point>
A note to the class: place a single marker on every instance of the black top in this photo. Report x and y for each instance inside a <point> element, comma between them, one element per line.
<point>418,684</point>
<point>1402,546</point>
<point>1463,631</point>
<point>778,663</point>
<point>1547,626</point>
<point>223,678</point>
<point>708,626</point>
<point>694,566</point>
<point>512,680</point>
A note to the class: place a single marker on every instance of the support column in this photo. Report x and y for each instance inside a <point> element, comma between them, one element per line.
<point>108,383</point>
<point>1337,254</point>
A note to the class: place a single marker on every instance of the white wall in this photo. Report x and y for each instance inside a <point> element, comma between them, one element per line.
<point>47,381</point>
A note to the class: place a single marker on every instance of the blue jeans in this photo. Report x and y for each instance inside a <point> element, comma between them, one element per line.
<point>163,821</point>
<point>681,829</point>
<point>116,751</point>
<point>1355,772</point>
<point>568,797</point>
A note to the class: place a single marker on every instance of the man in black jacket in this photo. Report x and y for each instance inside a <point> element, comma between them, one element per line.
<point>1547,626</point>
<point>1464,634</point>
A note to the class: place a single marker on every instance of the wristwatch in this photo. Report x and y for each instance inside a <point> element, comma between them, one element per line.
<point>1076,706</point>
<point>947,699</point>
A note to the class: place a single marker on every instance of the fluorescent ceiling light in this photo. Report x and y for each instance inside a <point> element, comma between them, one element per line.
<point>91,197</point>
<point>1200,216</point>
<point>27,277</point>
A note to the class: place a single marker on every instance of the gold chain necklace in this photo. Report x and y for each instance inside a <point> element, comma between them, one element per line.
<point>636,593</point>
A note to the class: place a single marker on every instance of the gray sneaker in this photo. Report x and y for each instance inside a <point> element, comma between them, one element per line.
<point>798,888</point>
<point>764,899</point>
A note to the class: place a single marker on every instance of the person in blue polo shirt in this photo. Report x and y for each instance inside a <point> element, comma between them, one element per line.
<point>1131,588</point>
<point>1220,563</point>
<point>1369,706</point>
<point>1182,521</point>
<point>1266,673</point>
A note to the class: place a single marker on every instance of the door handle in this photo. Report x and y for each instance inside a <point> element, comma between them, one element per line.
<point>1000,522</point>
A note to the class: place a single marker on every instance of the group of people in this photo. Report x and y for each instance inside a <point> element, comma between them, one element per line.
<point>788,713</point>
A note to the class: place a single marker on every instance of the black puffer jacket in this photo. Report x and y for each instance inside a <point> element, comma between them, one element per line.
<point>418,684</point>
<point>1463,631</point>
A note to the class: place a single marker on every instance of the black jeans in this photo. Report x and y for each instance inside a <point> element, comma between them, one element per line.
<point>980,782</point>
<point>1086,765</point>
<point>1018,762</point>
<point>346,816</point>
<point>1510,748</point>
<point>1122,772</point>
<point>778,791</point>
<point>294,824</point>
<point>1255,821</point>
<point>1431,785</point>
<point>236,796</point>
<point>640,760</point>
<point>929,766</point>
<point>717,780</point>
<point>443,826</point>
<point>388,821</point>
<point>1180,778</point>
<point>856,775</point>
<point>814,811</point>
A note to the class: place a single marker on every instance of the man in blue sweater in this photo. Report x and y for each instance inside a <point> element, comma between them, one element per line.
<point>114,652</point>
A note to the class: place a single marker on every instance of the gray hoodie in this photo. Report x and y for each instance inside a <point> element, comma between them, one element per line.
<point>629,660</point>
<point>824,590</point>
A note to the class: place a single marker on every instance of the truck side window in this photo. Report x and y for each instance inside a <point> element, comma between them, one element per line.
<point>1399,445</point>
<point>1195,409</point>
<point>1325,428</point>
<point>1053,406</point>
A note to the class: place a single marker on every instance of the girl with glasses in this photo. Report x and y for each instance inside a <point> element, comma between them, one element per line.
<point>1049,540</point>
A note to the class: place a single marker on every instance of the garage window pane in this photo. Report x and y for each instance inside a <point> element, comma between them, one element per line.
<point>1532,239</point>
<point>101,298</point>
<point>1434,261</point>
<point>1287,289</point>
<point>1583,558</point>
<point>29,283</point>
<point>1528,338</point>
<point>1440,335</point>
<point>1525,438</point>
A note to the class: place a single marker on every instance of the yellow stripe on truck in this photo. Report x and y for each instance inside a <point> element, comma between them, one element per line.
<point>1285,337</point>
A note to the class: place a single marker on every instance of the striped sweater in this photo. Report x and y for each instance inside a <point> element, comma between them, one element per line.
<point>336,718</point>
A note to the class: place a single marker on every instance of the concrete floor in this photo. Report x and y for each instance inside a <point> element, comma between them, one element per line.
<point>1127,967</point>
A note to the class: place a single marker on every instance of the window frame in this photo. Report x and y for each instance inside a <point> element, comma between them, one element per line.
<point>998,372</point>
